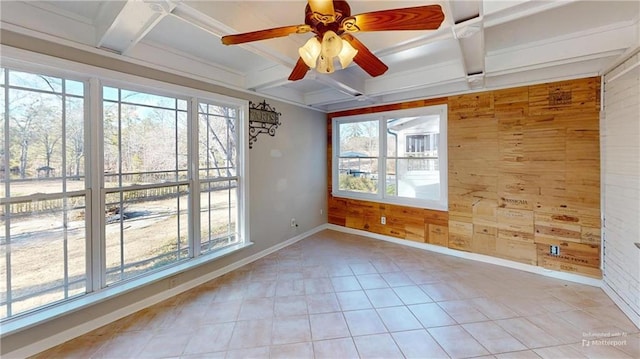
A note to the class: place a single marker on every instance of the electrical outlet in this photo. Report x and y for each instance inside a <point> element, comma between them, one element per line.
<point>293,223</point>
<point>172,283</point>
<point>383,220</point>
<point>554,250</point>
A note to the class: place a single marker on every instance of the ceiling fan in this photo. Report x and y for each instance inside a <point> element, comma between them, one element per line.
<point>332,24</point>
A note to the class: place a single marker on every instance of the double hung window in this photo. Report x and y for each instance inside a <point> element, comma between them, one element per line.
<point>104,182</point>
<point>395,157</point>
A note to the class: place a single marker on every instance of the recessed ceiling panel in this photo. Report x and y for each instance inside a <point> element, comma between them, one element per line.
<point>177,34</point>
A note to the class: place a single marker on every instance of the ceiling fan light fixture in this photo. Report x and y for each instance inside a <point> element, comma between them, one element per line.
<point>347,54</point>
<point>310,51</point>
<point>325,65</point>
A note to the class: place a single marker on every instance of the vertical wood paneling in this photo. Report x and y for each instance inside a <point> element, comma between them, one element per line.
<point>523,175</point>
<point>621,181</point>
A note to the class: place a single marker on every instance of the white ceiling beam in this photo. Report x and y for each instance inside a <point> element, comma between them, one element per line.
<point>104,21</point>
<point>133,22</point>
<point>498,12</point>
<point>586,45</point>
<point>416,78</point>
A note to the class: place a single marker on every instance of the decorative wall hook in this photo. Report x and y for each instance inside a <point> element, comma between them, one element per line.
<point>262,119</point>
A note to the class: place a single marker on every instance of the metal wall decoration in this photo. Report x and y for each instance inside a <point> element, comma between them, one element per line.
<point>262,119</point>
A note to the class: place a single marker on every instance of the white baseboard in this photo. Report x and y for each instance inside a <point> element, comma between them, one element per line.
<point>474,256</point>
<point>98,322</point>
<point>624,307</point>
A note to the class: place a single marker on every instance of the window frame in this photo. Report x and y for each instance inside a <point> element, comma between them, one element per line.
<point>381,196</point>
<point>94,78</point>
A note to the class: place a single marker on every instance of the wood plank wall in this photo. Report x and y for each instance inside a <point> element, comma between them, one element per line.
<point>524,174</point>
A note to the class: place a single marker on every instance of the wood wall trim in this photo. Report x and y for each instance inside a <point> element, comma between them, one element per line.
<point>524,174</point>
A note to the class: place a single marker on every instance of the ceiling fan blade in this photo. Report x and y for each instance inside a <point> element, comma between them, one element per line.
<point>323,10</point>
<point>365,58</point>
<point>412,18</point>
<point>265,34</point>
<point>299,70</point>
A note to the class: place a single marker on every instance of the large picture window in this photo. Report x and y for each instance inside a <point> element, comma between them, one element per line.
<point>393,157</point>
<point>105,182</point>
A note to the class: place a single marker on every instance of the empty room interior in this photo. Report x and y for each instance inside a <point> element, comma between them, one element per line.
<point>320,179</point>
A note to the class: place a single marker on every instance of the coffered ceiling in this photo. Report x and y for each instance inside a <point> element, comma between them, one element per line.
<point>481,44</point>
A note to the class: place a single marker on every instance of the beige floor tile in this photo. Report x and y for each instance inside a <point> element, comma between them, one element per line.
<point>161,346</point>
<point>289,306</point>
<point>343,348</point>
<point>256,308</point>
<point>493,337</point>
<point>607,348</point>
<point>561,351</point>
<point>364,322</point>
<point>261,289</point>
<point>250,334</point>
<point>210,338</point>
<point>219,313</point>
<point>431,315</point>
<point>353,300</point>
<point>418,344</point>
<point>441,292</point>
<point>385,266</point>
<point>377,346</point>
<point>384,297</point>
<point>525,354</point>
<point>291,330</point>
<point>328,326</point>
<point>345,284</point>
<point>249,353</point>
<point>371,281</point>
<point>396,279</point>
<point>128,344</point>
<point>317,286</point>
<point>363,268</point>
<point>292,351</point>
<point>412,295</point>
<point>398,319</point>
<point>527,333</point>
<point>457,342</point>
<point>558,328</point>
<point>287,288</point>
<point>322,303</point>
<point>493,309</point>
<point>463,311</point>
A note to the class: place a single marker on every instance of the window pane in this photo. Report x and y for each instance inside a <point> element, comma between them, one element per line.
<point>359,139</point>
<point>48,254</point>
<point>75,151</point>
<point>415,136</point>
<point>145,230</point>
<point>35,81</point>
<point>144,144</point>
<point>74,87</point>
<point>413,178</point>
<point>218,215</point>
<point>217,141</point>
<point>358,175</point>
<point>35,151</point>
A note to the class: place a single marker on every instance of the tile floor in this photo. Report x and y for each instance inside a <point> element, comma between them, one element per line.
<point>336,295</point>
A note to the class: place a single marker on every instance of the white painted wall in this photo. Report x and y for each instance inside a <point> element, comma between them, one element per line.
<point>620,137</point>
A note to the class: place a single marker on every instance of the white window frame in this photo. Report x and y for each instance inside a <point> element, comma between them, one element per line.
<point>94,78</point>
<point>381,196</point>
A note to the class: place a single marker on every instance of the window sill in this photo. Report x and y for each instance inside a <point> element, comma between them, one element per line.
<point>38,317</point>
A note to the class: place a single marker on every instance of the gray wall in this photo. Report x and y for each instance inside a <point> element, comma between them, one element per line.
<point>287,179</point>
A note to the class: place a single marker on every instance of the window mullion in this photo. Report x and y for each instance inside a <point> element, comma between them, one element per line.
<point>382,157</point>
<point>194,178</point>
<point>94,177</point>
